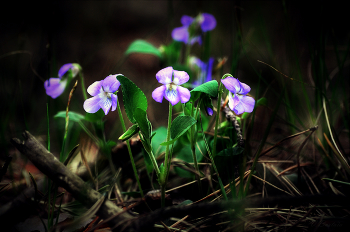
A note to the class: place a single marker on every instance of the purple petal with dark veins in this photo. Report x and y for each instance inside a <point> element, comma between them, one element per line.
<point>172,96</point>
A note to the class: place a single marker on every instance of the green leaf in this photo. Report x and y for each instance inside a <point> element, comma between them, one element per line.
<point>75,117</point>
<point>210,88</point>
<point>179,126</point>
<point>231,151</point>
<point>142,46</point>
<point>145,126</point>
<point>261,102</point>
<point>96,117</point>
<point>133,97</point>
<point>130,132</point>
<point>158,138</point>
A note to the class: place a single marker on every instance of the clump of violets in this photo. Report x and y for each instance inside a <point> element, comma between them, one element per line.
<point>192,28</point>
<point>171,89</point>
<point>55,86</point>
<point>238,101</point>
<point>202,69</point>
<point>104,95</point>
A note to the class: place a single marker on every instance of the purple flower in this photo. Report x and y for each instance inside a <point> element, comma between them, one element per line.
<point>209,111</point>
<point>203,70</point>
<point>55,86</point>
<point>188,33</point>
<point>238,101</point>
<point>104,96</point>
<point>171,89</point>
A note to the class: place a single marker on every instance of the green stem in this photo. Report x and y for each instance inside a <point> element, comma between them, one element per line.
<point>163,180</point>
<point>83,84</point>
<point>129,150</point>
<point>193,148</point>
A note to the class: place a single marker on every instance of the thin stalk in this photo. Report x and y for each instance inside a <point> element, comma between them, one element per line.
<point>193,148</point>
<point>166,168</point>
<point>129,149</point>
<point>83,84</point>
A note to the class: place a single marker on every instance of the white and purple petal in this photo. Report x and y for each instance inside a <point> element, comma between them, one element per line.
<point>92,105</point>
<point>180,77</point>
<point>233,100</point>
<point>180,34</point>
<point>54,87</point>
<point>232,84</point>
<point>159,93</point>
<point>110,84</point>
<point>172,95</point>
<point>165,75</point>
<point>105,104</point>
<point>184,94</point>
<point>63,70</point>
<point>186,20</point>
<point>208,23</point>
<point>95,88</point>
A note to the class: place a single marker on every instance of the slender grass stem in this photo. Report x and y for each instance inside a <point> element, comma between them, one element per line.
<point>193,148</point>
<point>129,150</point>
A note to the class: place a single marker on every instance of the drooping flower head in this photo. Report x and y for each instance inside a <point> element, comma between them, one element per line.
<point>104,96</point>
<point>55,86</point>
<point>203,70</point>
<point>171,89</point>
<point>191,29</point>
<point>238,100</point>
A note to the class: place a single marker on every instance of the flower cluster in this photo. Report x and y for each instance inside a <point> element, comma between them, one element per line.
<point>238,100</point>
<point>191,29</point>
<point>104,95</point>
<point>55,86</point>
<point>171,89</point>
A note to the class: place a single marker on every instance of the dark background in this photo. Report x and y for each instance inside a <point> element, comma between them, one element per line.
<point>36,39</point>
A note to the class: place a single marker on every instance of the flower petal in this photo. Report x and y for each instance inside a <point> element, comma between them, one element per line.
<point>64,69</point>
<point>92,105</point>
<point>186,20</point>
<point>180,34</point>
<point>209,22</point>
<point>114,101</point>
<point>164,76</point>
<point>110,84</point>
<point>209,69</point>
<point>180,77</point>
<point>248,103</point>
<point>210,111</point>
<point>95,88</point>
<point>244,89</point>
<point>54,87</point>
<point>105,104</point>
<point>232,84</point>
<point>233,101</point>
<point>184,94</point>
<point>172,95</point>
<point>158,93</point>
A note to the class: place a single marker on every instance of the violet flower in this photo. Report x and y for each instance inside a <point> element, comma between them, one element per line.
<point>104,96</point>
<point>238,101</point>
<point>171,89</point>
<point>55,86</point>
<point>203,70</point>
<point>189,32</point>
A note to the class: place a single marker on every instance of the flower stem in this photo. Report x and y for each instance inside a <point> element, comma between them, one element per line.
<point>129,149</point>
<point>83,85</point>
<point>166,159</point>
